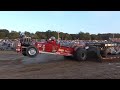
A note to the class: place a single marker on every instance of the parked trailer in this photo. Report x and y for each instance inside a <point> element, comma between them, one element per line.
<point>80,52</point>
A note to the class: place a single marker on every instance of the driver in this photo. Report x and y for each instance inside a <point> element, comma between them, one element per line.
<point>21,37</point>
<point>52,40</point>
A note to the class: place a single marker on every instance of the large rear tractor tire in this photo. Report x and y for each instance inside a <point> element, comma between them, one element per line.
<point>31,51</point>
<point>80,54</point>
<point>104,53</point>
<point>94,52</point>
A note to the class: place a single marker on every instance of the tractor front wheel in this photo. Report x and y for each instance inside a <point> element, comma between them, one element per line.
<point>31,51</point>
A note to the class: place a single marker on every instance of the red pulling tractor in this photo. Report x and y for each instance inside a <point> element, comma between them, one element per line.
<point>79,52</point>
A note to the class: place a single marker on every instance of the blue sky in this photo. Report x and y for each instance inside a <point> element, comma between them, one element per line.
<point>65,21</point>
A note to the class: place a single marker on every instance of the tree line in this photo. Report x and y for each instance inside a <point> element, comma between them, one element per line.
<point>4,33</point>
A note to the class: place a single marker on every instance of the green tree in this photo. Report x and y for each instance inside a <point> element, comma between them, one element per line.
<point>14,35</point>
<point>2,35</point>
<point>27,33</point>
<point>48,33</point>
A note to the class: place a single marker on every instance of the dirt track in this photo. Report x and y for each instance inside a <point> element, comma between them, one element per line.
<point>16,66</point>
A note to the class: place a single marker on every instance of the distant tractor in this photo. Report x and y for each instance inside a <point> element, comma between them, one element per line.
<point>80,52</point>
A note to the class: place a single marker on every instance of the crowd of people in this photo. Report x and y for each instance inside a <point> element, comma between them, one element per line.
<point>115,39</point>
<point>7,44</point>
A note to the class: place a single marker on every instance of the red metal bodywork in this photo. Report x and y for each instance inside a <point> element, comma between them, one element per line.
<point>50,47</point>
<point>53,47</point>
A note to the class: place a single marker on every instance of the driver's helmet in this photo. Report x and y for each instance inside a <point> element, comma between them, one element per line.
<point>52,38</point>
